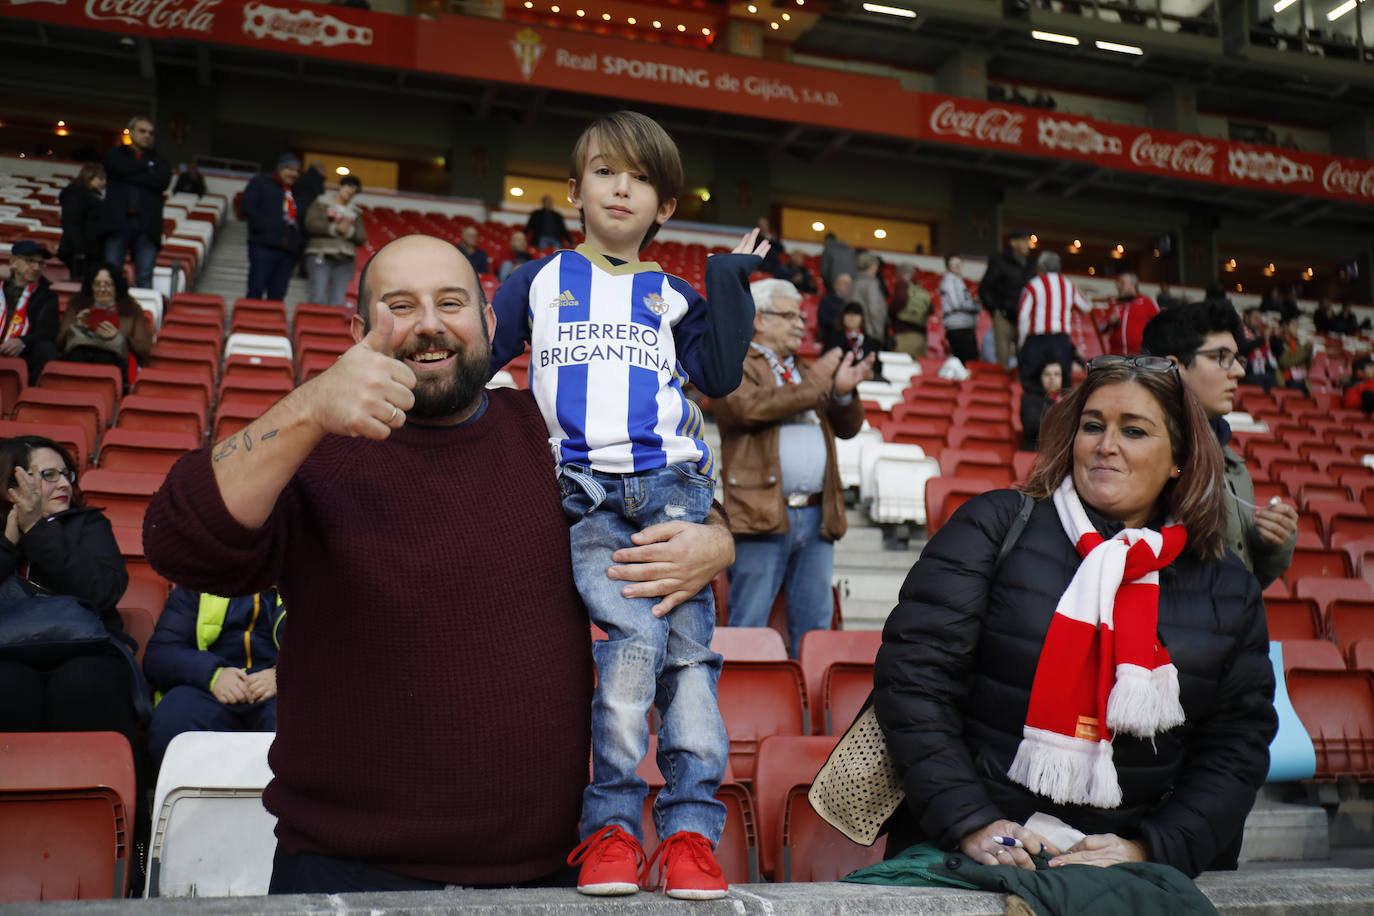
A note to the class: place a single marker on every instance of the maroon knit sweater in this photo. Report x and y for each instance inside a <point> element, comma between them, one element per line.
<point>434,682</point>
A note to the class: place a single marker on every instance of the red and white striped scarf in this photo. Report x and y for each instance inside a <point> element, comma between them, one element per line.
<point>18,324</point>
<point>1102,668</point>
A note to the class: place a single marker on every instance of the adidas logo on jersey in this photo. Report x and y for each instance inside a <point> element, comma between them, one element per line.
<point>564,300</point>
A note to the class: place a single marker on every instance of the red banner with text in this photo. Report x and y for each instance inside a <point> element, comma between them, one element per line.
<point>516,53</point>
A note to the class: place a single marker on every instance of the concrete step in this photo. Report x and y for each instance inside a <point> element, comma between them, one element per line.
<point>1275,831</point>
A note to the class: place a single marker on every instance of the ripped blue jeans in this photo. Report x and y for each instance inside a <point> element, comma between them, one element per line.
<point>647,661</point>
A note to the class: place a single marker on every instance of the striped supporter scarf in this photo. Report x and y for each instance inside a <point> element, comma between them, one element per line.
<point>1102,662</point>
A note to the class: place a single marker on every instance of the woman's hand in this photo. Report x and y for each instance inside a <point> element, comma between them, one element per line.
<point>750,244</point>
<point>1101,849</point>
<point>106,331</point>
<point>27,496</point>
<point>982,848</point>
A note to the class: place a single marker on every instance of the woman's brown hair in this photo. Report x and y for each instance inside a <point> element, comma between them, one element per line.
<point>17,452</point>
<point>89,172</point>
<point>1196,499</point>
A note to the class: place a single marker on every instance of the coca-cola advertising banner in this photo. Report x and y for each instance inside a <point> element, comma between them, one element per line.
<point>517,53</point>
<point>1017,129</point>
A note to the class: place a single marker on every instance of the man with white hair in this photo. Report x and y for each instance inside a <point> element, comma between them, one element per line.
<point>782,484</point>
<point>1045,320</point>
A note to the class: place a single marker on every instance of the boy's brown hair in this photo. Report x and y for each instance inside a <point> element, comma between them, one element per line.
<point>631,140</point>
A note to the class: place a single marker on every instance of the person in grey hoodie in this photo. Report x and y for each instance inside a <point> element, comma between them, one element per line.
<point>335,230</point>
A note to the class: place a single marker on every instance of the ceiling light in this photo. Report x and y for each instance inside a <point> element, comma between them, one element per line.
<point>529,4</point>
<point>341,170</point>
<point>1240,288</point>
<point>818,226</point>
<point>554,8</point>
<point>1120,249</point>
<point>61,123</point>
<point>772,25</point>
<point>1092,271</point>
<point>606,17</point>
<point>1054,37</point>
<point>1119,48</point>
<point>517,192</point>
<point>1340,11</point>
<point>581,12</point>
<point>681,27</point>
<point>705,31</point>
<point>786,17</point>
<point>880,233</point>
<point>889,10</point>
<point>1283,5</point>
<point>631,20</point>
<point>705,195</point>
<point>658,24</point>
<point>753,8</point>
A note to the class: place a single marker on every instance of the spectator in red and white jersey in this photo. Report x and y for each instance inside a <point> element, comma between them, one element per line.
<point>1136,310</point>
<point>1045,319</point>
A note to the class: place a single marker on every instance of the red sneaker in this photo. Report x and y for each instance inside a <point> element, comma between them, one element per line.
<point>611,861</point>
<point>687,867</point>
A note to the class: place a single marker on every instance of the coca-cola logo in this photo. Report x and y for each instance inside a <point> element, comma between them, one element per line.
<point>194,16</point>
<point>1355,183</point>
<point>1079,136</point>
<point>1271,168</point>
<point>1189,157</point>
<point>302,26</point>
<point>996,125</point>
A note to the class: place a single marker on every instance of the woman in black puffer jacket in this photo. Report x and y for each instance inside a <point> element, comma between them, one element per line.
<point>961,650</point>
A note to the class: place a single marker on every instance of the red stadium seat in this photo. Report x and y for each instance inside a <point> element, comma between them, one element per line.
<point>67,802</point>
<point>1324,591</point>
<point>844,690</point>
<point>65,408</point>
<point>822,648</point>
<point>139,623</point>
<point>14,375</point>
<point>1350,620</point>
<point>1328,564</point>
<point>784,761</point>
<point>124,495</point>
<point>1319,654</point>
<point>147,590</point>
<point>757,644</point>
<point>72,438</point>
<point>758,699</point>
<point>200,357</point>
<point>106,382</point>
<point>945,494</point>
<point>163,415</point>
<point>144,450</point>
<point>1293,618</point>
<point>175,384</point>
<point>1337,709</point>
<point>1361,654</point>
<point>270,368</point>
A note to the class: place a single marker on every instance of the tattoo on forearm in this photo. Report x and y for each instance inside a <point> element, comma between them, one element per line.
<point>226,448</point>
<point>267,435</point>
<point>247,441</point>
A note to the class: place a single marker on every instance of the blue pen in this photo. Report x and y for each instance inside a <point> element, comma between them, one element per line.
<point>1009,841</point>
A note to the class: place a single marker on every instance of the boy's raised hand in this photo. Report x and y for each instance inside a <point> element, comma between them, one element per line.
<point>747,245</point>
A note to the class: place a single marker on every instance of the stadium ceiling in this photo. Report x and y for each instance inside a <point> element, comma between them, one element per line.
<point>31,47</point>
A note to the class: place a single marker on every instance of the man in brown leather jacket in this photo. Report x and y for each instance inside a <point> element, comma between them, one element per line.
<point>782,486</point>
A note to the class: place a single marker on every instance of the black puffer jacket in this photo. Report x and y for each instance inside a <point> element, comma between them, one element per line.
<point>73,553</point>
<point>958,658</point>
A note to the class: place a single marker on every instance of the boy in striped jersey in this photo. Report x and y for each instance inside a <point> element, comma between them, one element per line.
<point>612,340</point>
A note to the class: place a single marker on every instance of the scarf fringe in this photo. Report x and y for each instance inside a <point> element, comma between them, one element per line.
<point>1066,770</point>
<point>1144,702</point>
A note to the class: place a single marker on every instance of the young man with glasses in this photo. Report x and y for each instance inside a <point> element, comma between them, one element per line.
<point>1203,340</point>
<point>782,485</point>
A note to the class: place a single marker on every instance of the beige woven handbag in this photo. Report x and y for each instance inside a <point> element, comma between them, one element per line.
<point>859,787</point>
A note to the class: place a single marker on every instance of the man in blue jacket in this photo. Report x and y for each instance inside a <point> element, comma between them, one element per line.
<point>272,213</point>
<point>214,662</point>
<point>133,200</point>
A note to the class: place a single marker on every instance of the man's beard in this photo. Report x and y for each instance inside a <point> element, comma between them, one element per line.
<point>449,395</point>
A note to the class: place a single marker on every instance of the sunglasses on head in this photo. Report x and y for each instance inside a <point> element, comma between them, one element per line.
<point>1144,363</point>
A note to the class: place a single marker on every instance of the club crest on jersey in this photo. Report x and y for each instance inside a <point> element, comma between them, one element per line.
<point>656,303</point>
<point>564,299</point>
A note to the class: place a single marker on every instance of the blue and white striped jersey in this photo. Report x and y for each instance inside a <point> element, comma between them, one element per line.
<point>611,345</point>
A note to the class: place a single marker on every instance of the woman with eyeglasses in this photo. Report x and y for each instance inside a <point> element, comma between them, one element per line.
<point>62,546</point>
<point>103,324</point>
<point>1106,665</point>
